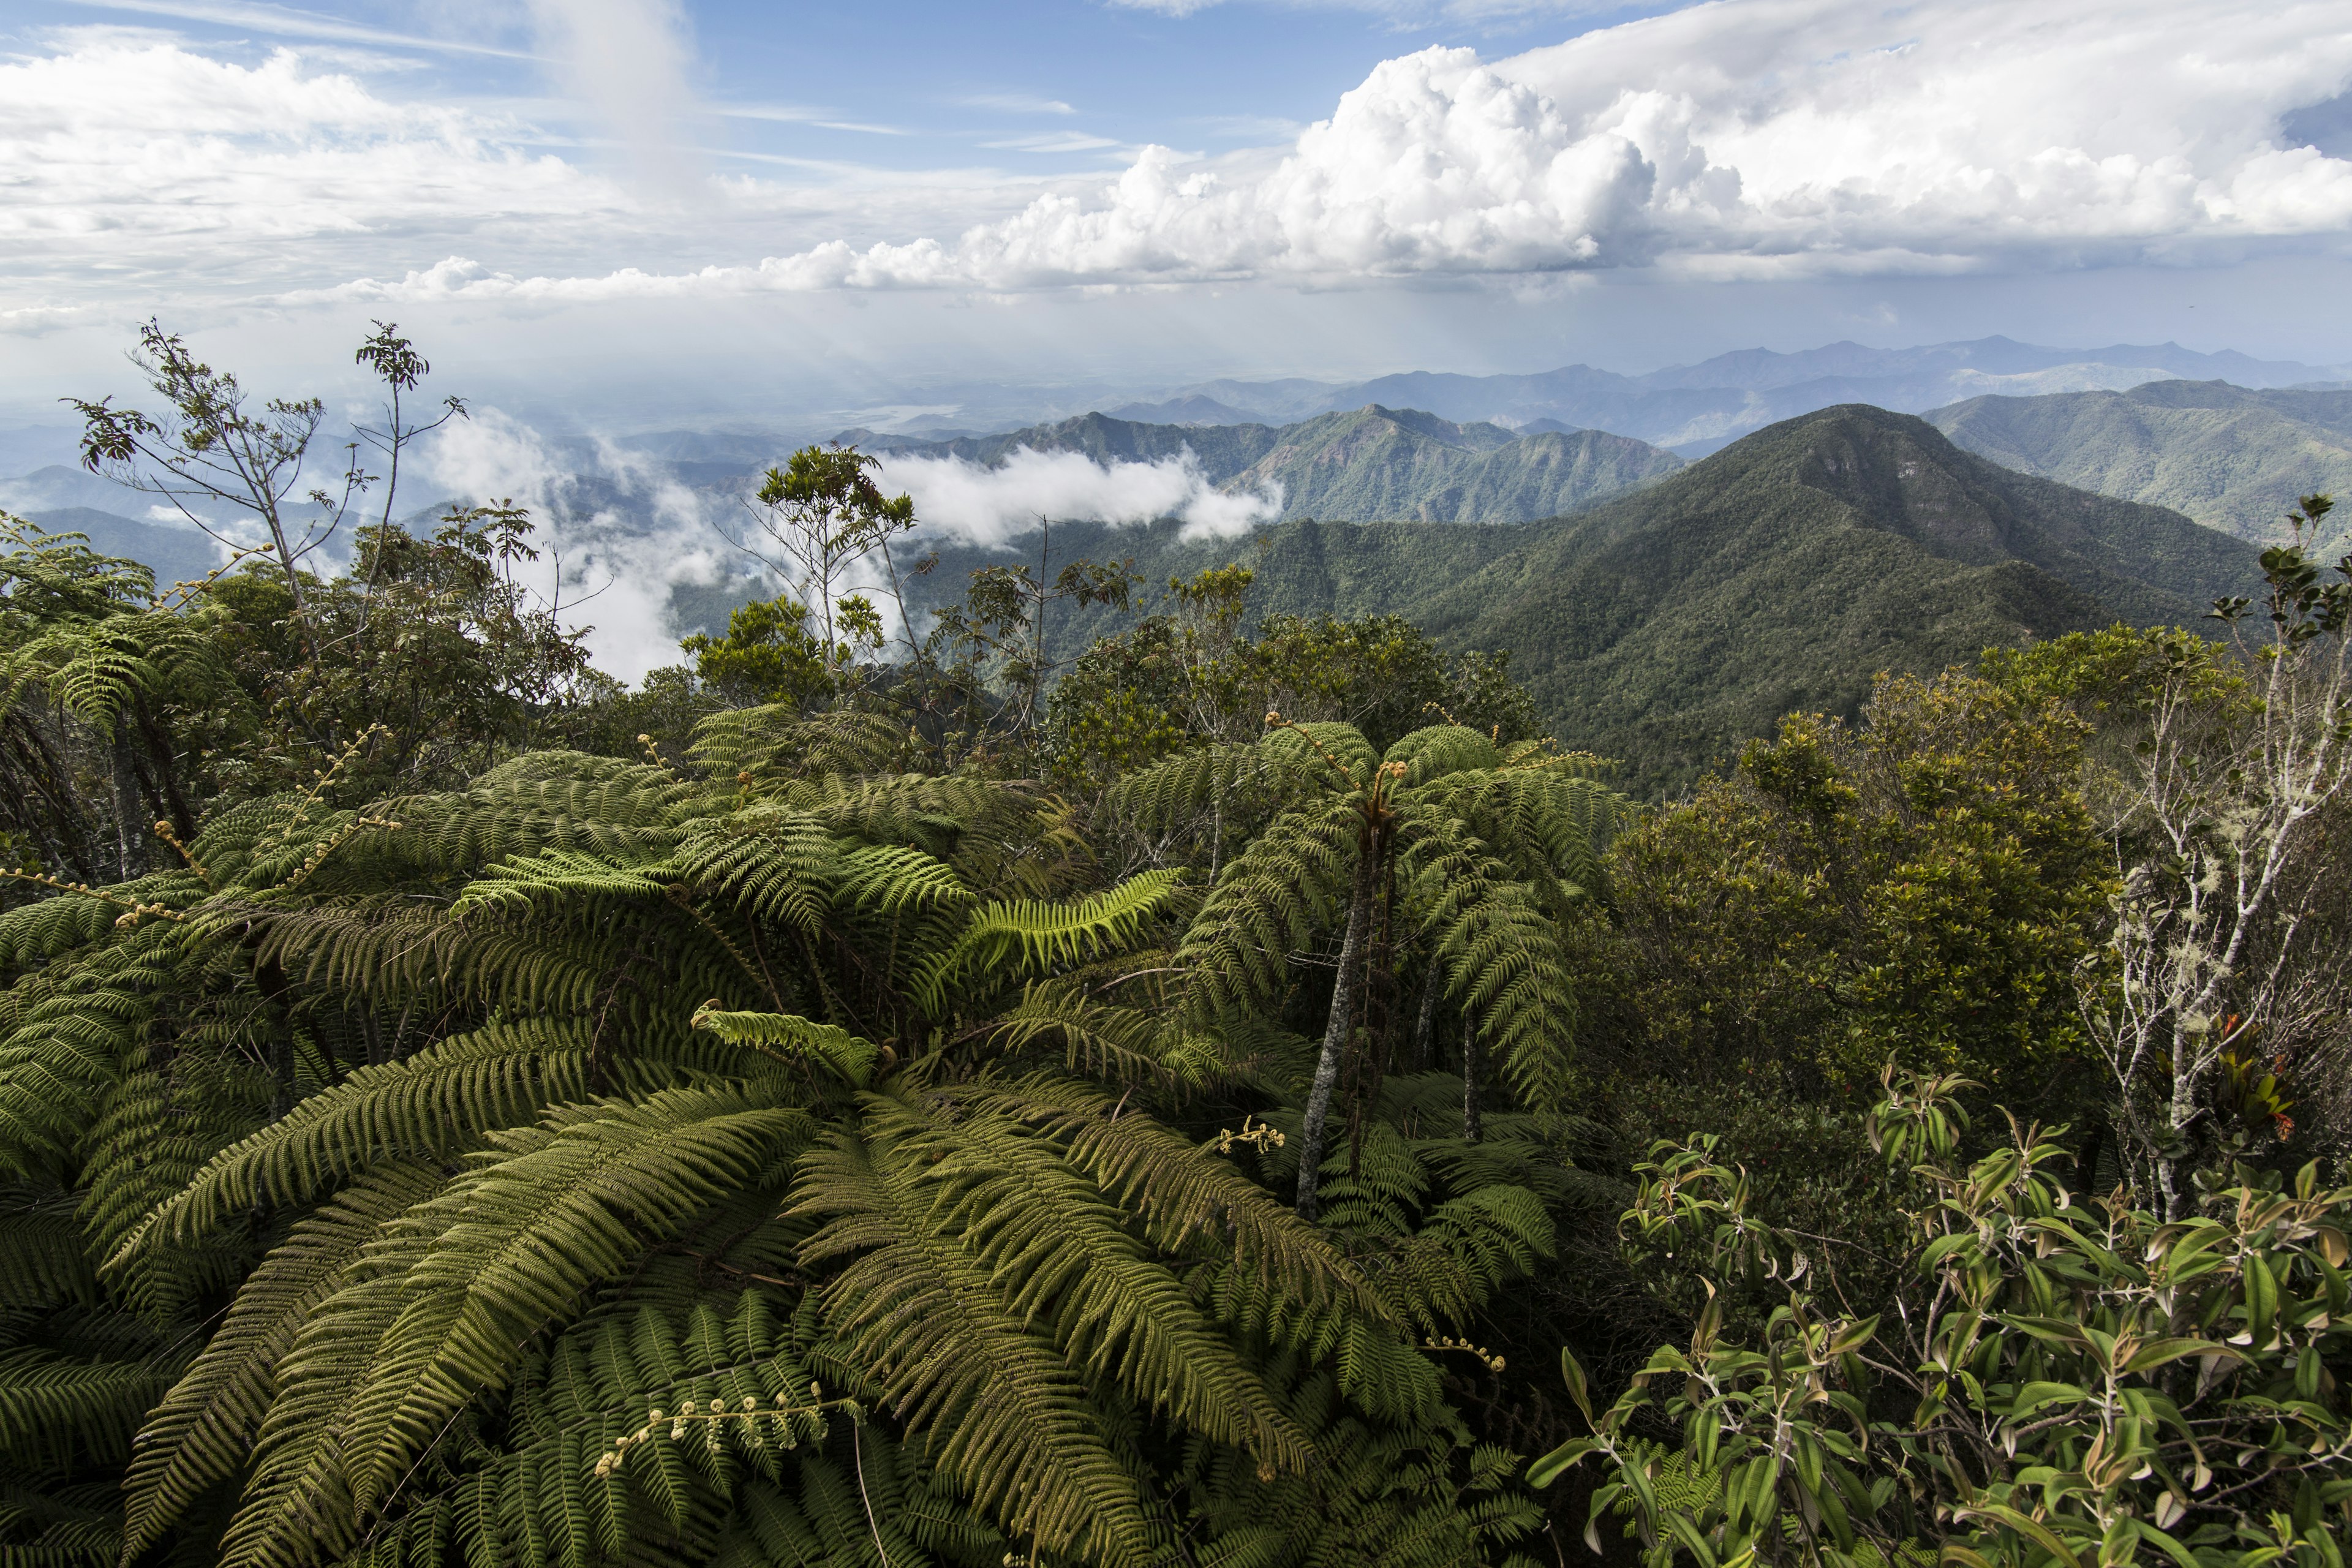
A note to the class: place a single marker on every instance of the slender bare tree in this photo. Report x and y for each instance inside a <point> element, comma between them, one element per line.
<point>2227,810</point>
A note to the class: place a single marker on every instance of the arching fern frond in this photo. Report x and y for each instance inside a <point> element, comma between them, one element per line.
<point>799,1041</point>
<point>558,1209</point>
<point>199,1436</point>
<point>438,1102</point>
<point>998,1405</point>
<point>1273,900</point>
<point>1009,941</point>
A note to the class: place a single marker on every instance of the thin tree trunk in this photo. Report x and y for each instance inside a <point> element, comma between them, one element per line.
<point>130,834</point>
<point>1335,1035</point>
<point>2180,1116</point>
<point>1474,1122</point>
<point>1217,837</point>
<point>1424,1024</point>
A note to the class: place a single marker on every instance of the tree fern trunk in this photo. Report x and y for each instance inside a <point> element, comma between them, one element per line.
<point>129,836</point>
<point>1427,1021</point>
<point>1474,1121</point>
<point>1335,1033</point>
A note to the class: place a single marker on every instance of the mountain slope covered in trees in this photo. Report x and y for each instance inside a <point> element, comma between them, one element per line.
<point>1695,408</point>
<point>1370,464</point>
<point>2233,457</point>
<point>1667,625</point>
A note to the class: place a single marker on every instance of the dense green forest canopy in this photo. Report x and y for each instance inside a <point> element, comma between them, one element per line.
<point>1365,464</point>
<point>2233,457</point>
<point>1237,1092</point>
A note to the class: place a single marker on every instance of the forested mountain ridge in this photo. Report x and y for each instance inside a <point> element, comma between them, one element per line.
<point>2233,457</point>
<point>1668,625</point>
<point>1785,571</point>
<point>1368,465</point>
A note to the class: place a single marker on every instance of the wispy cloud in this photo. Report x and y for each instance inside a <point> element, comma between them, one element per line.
<point>1054,142</point>
<point>802,114</point>
<point>284,22</point>
<point>628,60</point>
<point>1016,103</point>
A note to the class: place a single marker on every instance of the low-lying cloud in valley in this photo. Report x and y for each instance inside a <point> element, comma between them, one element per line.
<point>969,503</point>
<point>617,535</point>
<point>620,535</point>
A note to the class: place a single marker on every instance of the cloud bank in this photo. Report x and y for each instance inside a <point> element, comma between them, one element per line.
<point>615,534</point>
<point>1737,138</point>
<point>964,500</point>
<point>618,533</point>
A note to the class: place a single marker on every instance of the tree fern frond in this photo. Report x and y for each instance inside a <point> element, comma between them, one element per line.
<point>776,863</point>
<point>1441,749</point>
<point>296,1507</point>
<point>1271,901</point>
<point>66,1526</point>
<point>1181,1192</point>
<point>42,1257</point>
<point>554,875</point>
<point>823,1520</point>
<point>797,1041</point>
<point>1506,969</point>
<point>1174,789</point>
<point>200,1432</point>
<point>543,800</point>
<point>54,1404</point>
<point>1325,755</point>
<point>58,1064</point>
<point>1058,1249</point>
<point>1011,941</point>
<point>889,877</point>
<point>439,1101</point>
<point>560,1209</point>
<point>1103,1038</point>
<point>779,741</point>
<point>1464,1251</point>
<point>1000,1408</point>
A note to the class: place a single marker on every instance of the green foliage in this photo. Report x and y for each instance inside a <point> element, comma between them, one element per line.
<point>785,1128</point>
<point>1926,881</point>
<point>1191,676</point>
<point>2055,1380</point>
<point>768,656</point>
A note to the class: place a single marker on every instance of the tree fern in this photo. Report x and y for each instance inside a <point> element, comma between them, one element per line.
<point>1487,849</point>
<point>499,1189</point>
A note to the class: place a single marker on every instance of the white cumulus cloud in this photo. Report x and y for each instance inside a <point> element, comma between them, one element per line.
<point>1736,138</point>
<point>966,501</point>
<point>149,161</point>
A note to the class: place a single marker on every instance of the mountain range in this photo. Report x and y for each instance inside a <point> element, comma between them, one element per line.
<point>1666,626</point>
<point>2233,457</point>
<point>1661,611</point>
<point>1698,408</point>
<point>1369,464</point>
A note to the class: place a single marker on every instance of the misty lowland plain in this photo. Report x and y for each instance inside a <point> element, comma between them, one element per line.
<point>1176,783</point>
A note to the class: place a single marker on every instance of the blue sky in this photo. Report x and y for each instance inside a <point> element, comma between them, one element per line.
<point>633,209</point>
